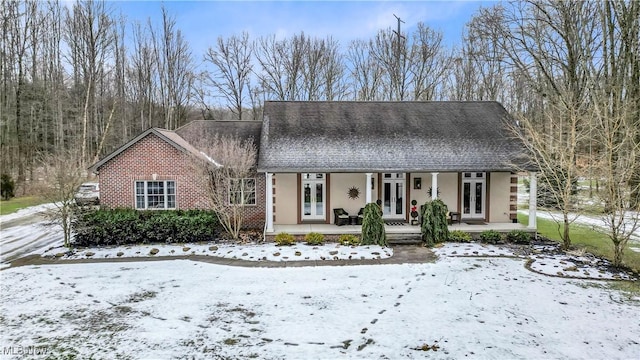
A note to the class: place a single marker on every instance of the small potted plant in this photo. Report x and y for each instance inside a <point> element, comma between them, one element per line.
<point>414,212</point>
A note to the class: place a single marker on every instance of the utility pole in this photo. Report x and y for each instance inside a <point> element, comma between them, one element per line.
<point>397,78</point>
<point>399,35</point>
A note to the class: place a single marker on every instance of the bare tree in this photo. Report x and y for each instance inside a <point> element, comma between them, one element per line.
<point>175,70</point>
<point>365,73</point>
<point>231,60</point>
<point>227,169</point>
<point>615,99</point>
<point>281,66</point>
<point>390,52</point>
<point>63,173</point>
<point>551,44</point>
<point>90,38</point>
<point>427,63</point>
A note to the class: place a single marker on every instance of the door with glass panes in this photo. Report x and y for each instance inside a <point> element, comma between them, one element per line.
<point>313,196</point>
<point>393,195</point>
<point>473,195</point>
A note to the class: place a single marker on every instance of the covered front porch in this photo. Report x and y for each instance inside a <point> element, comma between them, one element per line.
<point>307,202</point>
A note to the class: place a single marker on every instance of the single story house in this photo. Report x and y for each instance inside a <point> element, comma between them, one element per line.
<point>315,157</point>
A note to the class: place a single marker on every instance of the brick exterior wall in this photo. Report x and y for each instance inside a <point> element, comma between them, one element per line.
<point>152,155</point>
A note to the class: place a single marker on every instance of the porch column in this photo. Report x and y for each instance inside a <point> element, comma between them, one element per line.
<point>434,186</point>
<point>269,196</point>
<point>368,188</point>
<point>533,196</point>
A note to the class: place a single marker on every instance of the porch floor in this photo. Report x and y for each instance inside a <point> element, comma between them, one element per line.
<point>330,229</point>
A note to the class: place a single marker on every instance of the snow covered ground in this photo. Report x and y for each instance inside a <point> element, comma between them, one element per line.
<point>475,301</point>
<point>249,252</point>
<point>27,231</point>
<point>457,307</point>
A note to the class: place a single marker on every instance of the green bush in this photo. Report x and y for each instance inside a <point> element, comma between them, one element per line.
<point>434,222</point>
<point>459,236</point>
<point>348,239</point>
<point>519,237</point>
<point>490,237</point>
<point>7,187</point>
<point>373,232</point>
<point>128,226</point>
<point>285,239</point>
<point>314,238</point>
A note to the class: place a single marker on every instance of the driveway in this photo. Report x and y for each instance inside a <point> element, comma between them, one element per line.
<point>27,231</point>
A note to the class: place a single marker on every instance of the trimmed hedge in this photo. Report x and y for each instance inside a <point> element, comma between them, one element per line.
<point>128,226</point>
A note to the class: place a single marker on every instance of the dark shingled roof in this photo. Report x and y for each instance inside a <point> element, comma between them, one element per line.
<point>387,136</point>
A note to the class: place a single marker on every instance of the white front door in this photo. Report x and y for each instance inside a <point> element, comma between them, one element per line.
<point>393,199</point>
<point>313,196</point>
<point>473,195</point>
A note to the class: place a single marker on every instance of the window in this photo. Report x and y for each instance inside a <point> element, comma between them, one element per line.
<point>155,194</point>
<point>242,191</point>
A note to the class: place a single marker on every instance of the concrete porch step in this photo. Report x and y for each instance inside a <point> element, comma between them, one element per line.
<point>403,239</point>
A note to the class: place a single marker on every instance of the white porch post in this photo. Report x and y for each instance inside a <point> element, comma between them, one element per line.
<point>434,186</point>
<point>269,196</point>
<point>533,196</point>
<point>368,188</point>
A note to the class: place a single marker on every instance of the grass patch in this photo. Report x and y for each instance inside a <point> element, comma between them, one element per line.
<point>628,287</point>
<point>12,205</point>
<point>586,238</point>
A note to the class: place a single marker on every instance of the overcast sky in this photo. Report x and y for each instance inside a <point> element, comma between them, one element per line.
<point>203,21</point>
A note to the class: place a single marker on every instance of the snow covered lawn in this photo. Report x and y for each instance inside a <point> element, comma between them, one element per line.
<point>460,306</point>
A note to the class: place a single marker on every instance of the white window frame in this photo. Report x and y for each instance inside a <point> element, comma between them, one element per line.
<point>165,195</point>
<point>245,192</point>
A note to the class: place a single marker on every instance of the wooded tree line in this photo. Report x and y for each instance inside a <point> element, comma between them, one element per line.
<point>84,77</point>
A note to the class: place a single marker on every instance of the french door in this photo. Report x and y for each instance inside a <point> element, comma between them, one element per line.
<point>314,196</point>
<point>393,199</point>
<point>474,192</point>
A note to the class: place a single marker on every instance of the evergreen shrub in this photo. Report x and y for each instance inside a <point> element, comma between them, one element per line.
<point>373,232</point>
<point>349,239</point>
<point>519,237</point>
<point>490,237</point>
<point>7,187</point>
<point>129,226</point>
<point>285,239</point>
<point>459,236</point>
<point>434,226</point>
<point>314,238</point>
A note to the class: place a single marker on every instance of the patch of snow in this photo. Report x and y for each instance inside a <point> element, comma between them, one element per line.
<point>545,258</point>
<point>461,306</point>
<point>473,249</point>
<point>28,211</point>
<point>25,232</point>
<point>249,252</point>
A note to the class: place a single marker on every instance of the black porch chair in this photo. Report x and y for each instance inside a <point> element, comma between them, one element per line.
<point>340,217</point>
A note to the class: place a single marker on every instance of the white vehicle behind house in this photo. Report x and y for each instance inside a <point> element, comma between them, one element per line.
<point>88,193</point>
